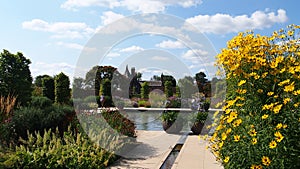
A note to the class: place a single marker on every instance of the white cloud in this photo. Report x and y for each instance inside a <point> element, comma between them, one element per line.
<point>113,54</point>
<point>75,46</point>
<point>144,6</point>
<point>74,4</point>
<point>170,44</point>
<point>109,17</point>
<point>160,58</point>
<point>132,49</point>
<point>60,29</point>
<point>41,68</point>
<point>196,56</point>
<point>70,45</point>
<point>224,23</point>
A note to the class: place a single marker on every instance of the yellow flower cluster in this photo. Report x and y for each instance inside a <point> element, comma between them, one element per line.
<point>263,83</point>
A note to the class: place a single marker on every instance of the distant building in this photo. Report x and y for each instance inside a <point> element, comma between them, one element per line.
<point>135,83</point>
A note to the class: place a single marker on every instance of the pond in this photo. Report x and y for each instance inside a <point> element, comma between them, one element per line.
<point>151,120</point>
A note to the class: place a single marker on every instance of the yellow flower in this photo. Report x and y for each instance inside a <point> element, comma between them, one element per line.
<point>221,144</point>
<point>289,88</point>
<point>224,136</point>
<point>270,93</point>
<point>254,141</point>
<point>237,122</point>
<point>284,126</point>
<point>260,91</point>
<point>228,131</point>
<point>278,136</point>
<point>253,166</point>
<point>277,108</point>
<point>284,82</point>
<point>297,92</point>
<point>241,82</point>
<point>241,91</point>
<point>266,161</point>
<point>290,33</point>
<point>282,70</point>
<point>236,138</point>
<point>286,100</point>
<point>252,132</point>
<point>279,126</point>
<point>265,116</point>
<point>268,106</point>
<point>264,74</point>
<point>226,159</point>
<point>273,144</point>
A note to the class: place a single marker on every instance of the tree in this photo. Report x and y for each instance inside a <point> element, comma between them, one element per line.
<point>48,87</point>
<point>168,89</point>
<point>15,76</point>
<point>156,78</point>
<point>38,82</point>
<point>62,89</point>
<point>78,88</point>
<point>201,80</point>
<point>187,88</point>
<point>145,90</point>
<point>105,88</point>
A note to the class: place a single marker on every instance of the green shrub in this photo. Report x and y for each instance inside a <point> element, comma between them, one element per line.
<point>157,99</point>
<point>90,99</point>
<point>118,122</point>
<point>144,103</point>
<point>37,119</point>
<point>173,102</point>
<point>41,102</point>
<point>51,151</point>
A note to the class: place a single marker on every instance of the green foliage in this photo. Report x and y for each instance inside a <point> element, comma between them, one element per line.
<point>169,116</point>
<point>90,99</point>
<point>173,102</point>
<point>199,116</point>
<point>168,89</point>
<point>144,103</point>
<point>15,76</point>
<point>187,88</point>
<point>178,93</point>
<point>51,151</point>
<point>48,87</point>
<point>37,119</point>
<point>105,88</point>
<point>62,89</point>
<point>145,90</point>
<point>120,123</point>
<point>157,99</point>
<point>41,102</point>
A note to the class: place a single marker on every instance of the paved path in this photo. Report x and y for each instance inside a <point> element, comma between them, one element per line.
<point>194,155</point>
<point>154,147</point>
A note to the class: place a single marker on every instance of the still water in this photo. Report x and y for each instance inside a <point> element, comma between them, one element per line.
<point>151,120</point>
<point>146,120</point>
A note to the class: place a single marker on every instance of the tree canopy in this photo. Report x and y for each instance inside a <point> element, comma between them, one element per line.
<point>15,76</point>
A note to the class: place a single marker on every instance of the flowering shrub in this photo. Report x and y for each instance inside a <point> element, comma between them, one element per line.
<point>260,127</point>
<point>120,123</point>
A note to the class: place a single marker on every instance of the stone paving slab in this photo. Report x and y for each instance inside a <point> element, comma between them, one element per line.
<point>194,155</point>
<point>152,149</point>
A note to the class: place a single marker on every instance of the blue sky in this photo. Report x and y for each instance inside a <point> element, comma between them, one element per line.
<point>52,34</point>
